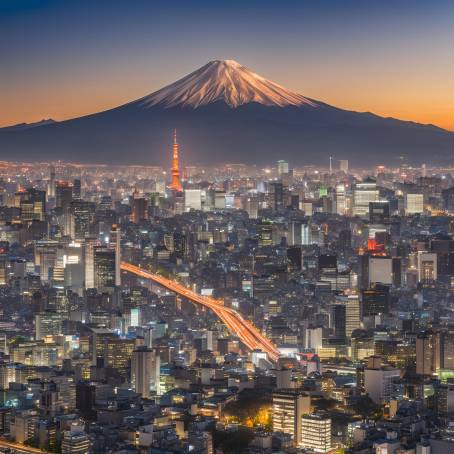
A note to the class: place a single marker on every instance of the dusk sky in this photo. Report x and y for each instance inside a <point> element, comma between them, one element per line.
<point>63,59</point>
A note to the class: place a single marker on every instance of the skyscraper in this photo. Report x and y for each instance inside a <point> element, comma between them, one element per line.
<point>176,183</point>
<point>145,371</point>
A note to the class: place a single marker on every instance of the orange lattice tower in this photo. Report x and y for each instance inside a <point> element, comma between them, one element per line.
<point>176,183</point>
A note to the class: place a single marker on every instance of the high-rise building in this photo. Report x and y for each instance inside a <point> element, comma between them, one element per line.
<point>145,371</point>
<point>104,268</point>
<point>48,324</point>
<point>429,352</point>
<point>316,432</point>
<point>89,258</point>
<point>139,207</point>
<point>77,189</point>
<point>427,267</point>
<point>282,167</point>
<point>289,405</point>
<point>63,195</point>
<point>378,380</point>
<point>414,203</point>
<point>192,199</point>
<point>83,214</point>
<point>51,183</point>
<point>175,185</point>
<point>32,204</point>
<point>341,205</point>
<point>276,190</point>
<point>364,193</point>
<point>115,245</point>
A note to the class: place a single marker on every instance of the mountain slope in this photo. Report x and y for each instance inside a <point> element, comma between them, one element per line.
<point>226,113</point>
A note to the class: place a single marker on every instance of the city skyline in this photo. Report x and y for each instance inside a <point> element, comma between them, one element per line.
<point>67,60</point>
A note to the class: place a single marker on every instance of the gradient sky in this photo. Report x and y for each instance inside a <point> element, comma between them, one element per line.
<point>63,59</point>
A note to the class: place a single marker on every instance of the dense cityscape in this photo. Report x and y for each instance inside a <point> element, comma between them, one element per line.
<point>226,310</point>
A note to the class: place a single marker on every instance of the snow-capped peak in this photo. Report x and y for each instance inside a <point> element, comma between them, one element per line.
<point>228,81</point>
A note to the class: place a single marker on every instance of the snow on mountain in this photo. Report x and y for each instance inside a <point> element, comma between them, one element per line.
<point>224,80</point>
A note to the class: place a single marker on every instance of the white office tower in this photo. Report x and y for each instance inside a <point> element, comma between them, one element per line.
<point>289,405</point>
<point>414,204</point>
<point>75,440</point>
<point>145,371</point>
<point>380,270</point>
<point>192,199</point>
<point>314,338</point>
<point>316,432</point>
<point>306,235</point>
<point>378,380</point>
<point>364,193</point>
<point>341,206</point>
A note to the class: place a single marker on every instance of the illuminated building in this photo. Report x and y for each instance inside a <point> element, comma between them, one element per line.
<point>115,245</point>
<point>414,203</point>
<point>104,268</point>
<point>117,353</point>
<point>145,371</point>
<point>89,253</point>
<point>427,267</point>
<point>63,195</point>
<point>378,380</point>
<point>282,167</point>
<point>48,324</point>
<point>75,440</point>
<point>288,407</point>
<point>175,185</point>
<point>364,193</point>
<point>139,207</point>
<point>316,432</point>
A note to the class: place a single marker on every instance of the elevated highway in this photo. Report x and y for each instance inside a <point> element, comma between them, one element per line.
<point>237,325</point>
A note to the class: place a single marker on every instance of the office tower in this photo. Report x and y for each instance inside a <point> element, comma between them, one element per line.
<point>83,214</point>
<point>145,371</point>
<point>276,190</point>
<point>427,267</point>
<point>115,245</point>
<point>429,352</point>
<point>46,258</point>
<point>89,258</point>
<point>117,353</point>
<point>340,321</point>
<point>192,199</point>
<point>364,193</point>
<point>378,380</point>
<point>251,205</point>
<point>343,165</point>
<point>139,207</point>
<point>175,185</point>
<point>48,324</point>
<point>313,339</point>
<point>306,235</point>
<point>63,195</point>
<point>341,205</point>
<point>380,270</point>
<point>414,204</point>
<point>352,312</point>
<point>75,440</point>
<point>32,203</point>
<point>295,233</point>
<point>282,167</point>
<point>51,183</point>
<point>288,408</point>
<point>104,268</point>
<point>375,300</point>
<point>76,189</point>
<point>379,212</point>
<point>316,432</point>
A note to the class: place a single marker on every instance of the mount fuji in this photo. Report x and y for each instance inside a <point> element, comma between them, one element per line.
<point>225,113</point>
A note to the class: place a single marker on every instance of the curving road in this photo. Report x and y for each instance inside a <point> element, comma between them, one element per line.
<point>243,329</point>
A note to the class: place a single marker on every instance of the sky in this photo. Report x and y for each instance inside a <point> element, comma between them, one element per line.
<point>64,58</point>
